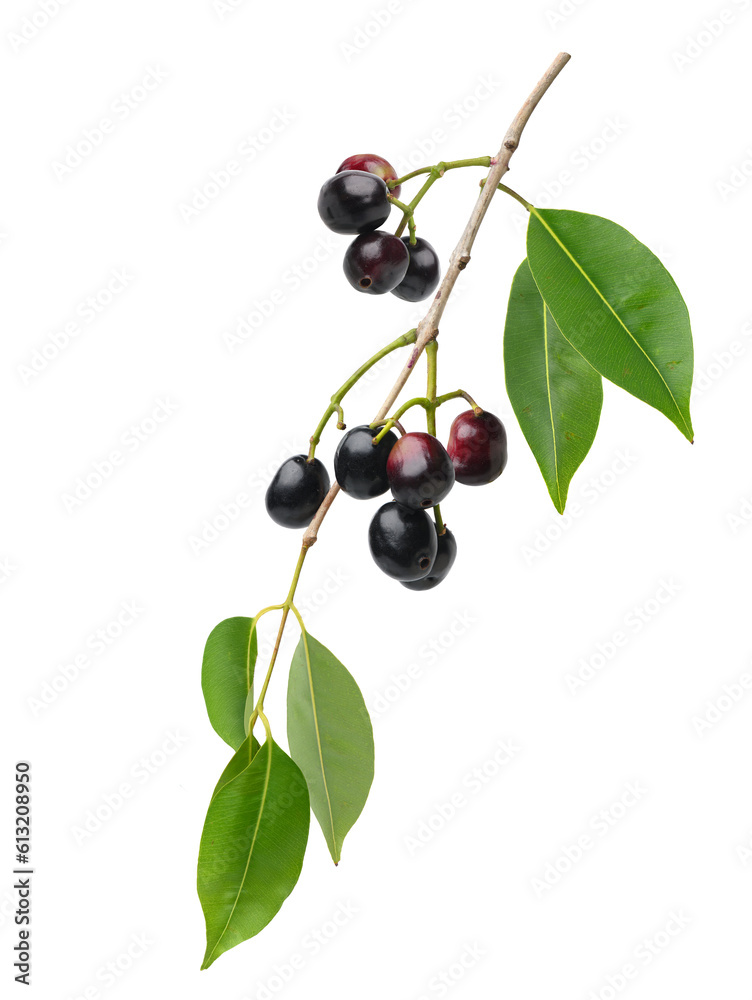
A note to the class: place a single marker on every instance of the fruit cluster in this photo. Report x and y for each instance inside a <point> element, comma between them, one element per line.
<point>370,459</point>
<point>405,543</point>
<point>356,201</point>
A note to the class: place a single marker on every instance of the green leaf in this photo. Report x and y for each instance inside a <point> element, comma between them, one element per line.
<point>252,846</point>
<point>238,762</point>
<point>556,395</point>
<point>227,677</point>
<point>330,737</point>
<point>617,305</point>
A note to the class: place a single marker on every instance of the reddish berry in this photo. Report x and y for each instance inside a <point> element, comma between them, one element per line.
<point>420,471</point>
<point>478,447</point>
<point>372,164</point>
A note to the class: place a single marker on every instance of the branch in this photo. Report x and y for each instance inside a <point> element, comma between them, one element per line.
<point>312,531</point>
<point>428,327</point>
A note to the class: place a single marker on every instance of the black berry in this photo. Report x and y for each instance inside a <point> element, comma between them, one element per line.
<point>445,556</point>
<point>420,471</point>
<point>359,466</point>
<point>478,447</point>
<point>376,262</point>
<point>402,541</point>
<point>296,492</point>
<point>354,202</point>
<point>423,271</point>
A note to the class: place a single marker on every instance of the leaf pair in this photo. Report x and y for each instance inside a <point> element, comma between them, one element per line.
<point>590,301</point>
<point>263,797</point>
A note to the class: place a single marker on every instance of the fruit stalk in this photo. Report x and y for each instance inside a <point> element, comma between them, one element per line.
<point>339,395</point>
<point>428,327</point>
<point>442,167</point>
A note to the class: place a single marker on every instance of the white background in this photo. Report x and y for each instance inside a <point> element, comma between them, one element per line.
<point>650,115</point>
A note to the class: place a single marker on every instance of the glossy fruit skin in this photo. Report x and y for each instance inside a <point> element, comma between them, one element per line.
<point>445,556</point>
<point>420,471</point>
<point>296,492</point>
<point>403,542</point>
<point>359,466</point>
<point>423,271</point>
<point>376,262</point>
<point>372,163</point>
<point>478,447</point>
<point>354,202</point>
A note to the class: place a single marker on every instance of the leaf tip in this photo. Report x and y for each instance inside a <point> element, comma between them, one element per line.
<point>558,500</point>
<point>209,957</point>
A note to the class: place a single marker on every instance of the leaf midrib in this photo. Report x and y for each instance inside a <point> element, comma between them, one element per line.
<point>304,637</point>
<point>550,402</point>
<point>618,318</point>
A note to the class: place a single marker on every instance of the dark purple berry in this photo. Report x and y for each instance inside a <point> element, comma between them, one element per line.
<point>445,556</point>
<point>376,262</point>
<point>423,271</point>
<point>296,492</point>
<point>402,541</point>
<point>420,471</point>
<point>359,466</point>
<point>354,202</point>
<point>478,447</point>
<point>373,164</point>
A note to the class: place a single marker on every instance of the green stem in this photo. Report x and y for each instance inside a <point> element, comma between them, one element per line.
<point>392,423</point>
<point>394,419</point>
<point>432,350</point>
<point>407,216</point>
<point>440,526</point>
<point>258,711</point>
<point>295,577</point>
<point>458,394</point>
<point>298,616</point>
<point>477,161</point>
<point>336,400</point>
<point>399,204</point>
<point>520,199</point>
<point>416,401</point>
<point>434,173</point>
<point>430,408</point>
<point>272,607</point>
<point>265,723</point>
